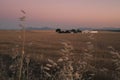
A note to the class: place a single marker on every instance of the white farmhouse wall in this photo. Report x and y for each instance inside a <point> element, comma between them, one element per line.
<point>93,31</point>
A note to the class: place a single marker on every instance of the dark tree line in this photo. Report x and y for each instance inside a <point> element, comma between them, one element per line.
<point>68,31</point>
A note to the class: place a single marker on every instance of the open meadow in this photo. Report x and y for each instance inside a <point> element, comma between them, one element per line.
<point>53,56</point>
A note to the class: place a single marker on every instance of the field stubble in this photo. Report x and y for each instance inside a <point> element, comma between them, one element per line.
<point>43,45</point>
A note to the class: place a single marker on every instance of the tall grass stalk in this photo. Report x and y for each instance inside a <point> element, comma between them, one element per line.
<point>22,19</point>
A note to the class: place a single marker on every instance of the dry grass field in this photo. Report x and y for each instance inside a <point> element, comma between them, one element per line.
<point>43,45</point>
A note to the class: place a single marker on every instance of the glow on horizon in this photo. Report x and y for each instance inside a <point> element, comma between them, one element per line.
<point>105,12</point>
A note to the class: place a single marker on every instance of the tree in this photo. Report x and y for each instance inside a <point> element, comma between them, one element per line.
<point>79,31</point>
<point>58,30</point>
<point>74,31</point>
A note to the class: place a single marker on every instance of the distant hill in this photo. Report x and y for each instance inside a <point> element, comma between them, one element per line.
<point>81,28</point>
<point>110,29</point>
<point>104,28</point>
<point>42,28</point>
<point>85,28</point>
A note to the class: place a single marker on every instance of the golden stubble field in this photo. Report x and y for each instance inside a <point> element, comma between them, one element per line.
<point>43,45</point>
<point>49,42</point>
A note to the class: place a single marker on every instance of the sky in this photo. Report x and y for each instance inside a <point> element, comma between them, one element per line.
<point>60,13</point>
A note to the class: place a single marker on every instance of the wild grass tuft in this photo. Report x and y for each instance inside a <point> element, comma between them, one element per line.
<point>116,62</point>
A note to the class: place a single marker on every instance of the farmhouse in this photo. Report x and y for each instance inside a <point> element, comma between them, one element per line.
<point>93,31</point>
<point>87,31</point>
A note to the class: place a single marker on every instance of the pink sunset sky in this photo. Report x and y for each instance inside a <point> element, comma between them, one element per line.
<point>61,13</point>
